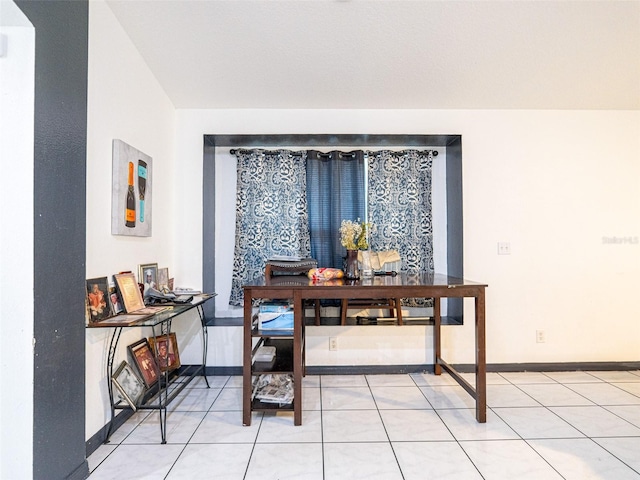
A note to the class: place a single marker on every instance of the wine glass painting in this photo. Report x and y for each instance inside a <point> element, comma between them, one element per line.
<point>131,192</point>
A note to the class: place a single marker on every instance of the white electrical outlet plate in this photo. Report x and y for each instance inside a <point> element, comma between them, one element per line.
<point>504,248</point>
<point>333,343</point>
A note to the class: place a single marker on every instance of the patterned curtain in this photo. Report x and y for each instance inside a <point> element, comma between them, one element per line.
<point>271,213</point>
<point>400,208</point>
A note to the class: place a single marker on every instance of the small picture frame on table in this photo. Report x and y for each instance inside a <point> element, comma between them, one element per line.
<point>148,276</point>
<point>165,348</point>
<point>129,387</point>
<point>129,292</point>
<point>98,299</point>
<point>114,301</point>
<point>163,280</point>
<point>143,359</point>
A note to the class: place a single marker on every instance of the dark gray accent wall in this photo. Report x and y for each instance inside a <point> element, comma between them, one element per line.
<point>455,257</point>
<point>60,229</point>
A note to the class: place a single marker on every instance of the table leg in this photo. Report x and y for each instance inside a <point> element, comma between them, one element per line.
<point>246,377</point>
<point>481,361</point>
<point>298,320</point>
<point>437,322</point>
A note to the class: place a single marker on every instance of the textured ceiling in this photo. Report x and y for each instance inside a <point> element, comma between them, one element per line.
<point>390,54</point>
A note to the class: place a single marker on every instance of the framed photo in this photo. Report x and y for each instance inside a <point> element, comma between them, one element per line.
<point>129,386</point>
<point>131,191</point>
<point>129,292</point>
<point>145,362</point>
<point>114,301</point>
<point>163,280</point>
<point>165,348</point>
<point>148,276</point>
<point>97,299</point>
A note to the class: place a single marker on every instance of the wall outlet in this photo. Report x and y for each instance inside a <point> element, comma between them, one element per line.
<point>504,248</point>
<point>333,343</point>
<point>541,337</point>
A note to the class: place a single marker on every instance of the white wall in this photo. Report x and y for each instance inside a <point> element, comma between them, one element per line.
<point>552,183</point>
<point>17,67</point>
<point>124,101</point>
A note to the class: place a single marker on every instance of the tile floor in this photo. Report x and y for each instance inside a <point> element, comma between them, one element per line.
<point>556,425</point>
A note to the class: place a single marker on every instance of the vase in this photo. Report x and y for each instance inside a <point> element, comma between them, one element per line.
<point>367,271</point>
<point>351,265</point>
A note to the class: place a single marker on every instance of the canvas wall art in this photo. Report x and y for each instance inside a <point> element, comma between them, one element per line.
<point>131,205</point>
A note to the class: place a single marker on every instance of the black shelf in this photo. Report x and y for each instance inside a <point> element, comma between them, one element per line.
<point>282,362</point>
<point>257,405</point>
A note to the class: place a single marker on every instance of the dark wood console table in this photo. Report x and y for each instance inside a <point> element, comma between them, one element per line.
<point>422,285</point>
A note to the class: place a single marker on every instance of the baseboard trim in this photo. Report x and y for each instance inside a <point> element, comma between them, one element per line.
<point>81,472</point>
<point>462,367</point>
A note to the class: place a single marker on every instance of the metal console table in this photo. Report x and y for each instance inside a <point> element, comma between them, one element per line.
<point>170,383</point>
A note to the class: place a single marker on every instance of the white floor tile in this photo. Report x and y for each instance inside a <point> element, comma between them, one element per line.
<point>463,425</point>
<point>343,381</point>
<point>353,426</point>
<point>235,381</point>
<point>373,461</point>
<point>582,459</point>
<point>493,378</point>
<point>451,396</point>
<point>311,381</point>
<point>390,381</point>
<point>148,462</point>
<point>215,381</point>
<point>508,459</point>
<point>226,427</point>
<point>311,399</point>
<point>296,461</point>
<point>554,395</point>
<point>414,426</point>
<point>596,422</point>
<point>508,396</point>
<point>180,427</point>
<point>280,428</point>
<point>632,387</point>
<point>432,380</point>
<point>207,461</point>
<point>605,394</point>
<point>519,378</point>
<point>399,398</point>
<point>230,399</point>
<point>631,413</point>
<point>132,422</point>
<point>420,461</point>
<point>96,458</point>
<point>616,376</point>
<point>347,398</point>
<point>624,448</point>
<point>536,422</point>
<point>194,400</point>
<point>572,377</point>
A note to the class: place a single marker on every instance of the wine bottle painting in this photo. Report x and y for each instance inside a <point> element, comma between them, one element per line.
<point>131,197</point>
